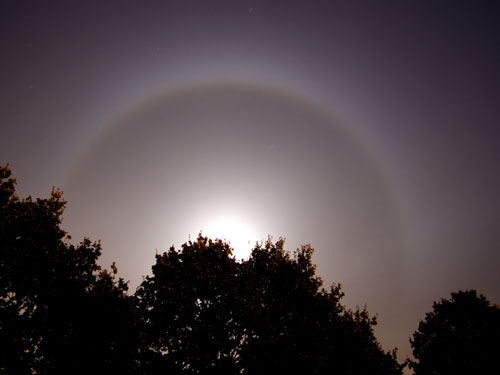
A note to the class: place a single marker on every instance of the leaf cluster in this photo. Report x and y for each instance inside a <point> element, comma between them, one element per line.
<point>460,335</point>
<point>205,312</point>
<point>59,310</point>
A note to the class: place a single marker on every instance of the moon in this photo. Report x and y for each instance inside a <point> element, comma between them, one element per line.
<point>234,231</point>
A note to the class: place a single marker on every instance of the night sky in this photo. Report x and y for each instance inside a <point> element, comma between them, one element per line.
<point>368,129</point>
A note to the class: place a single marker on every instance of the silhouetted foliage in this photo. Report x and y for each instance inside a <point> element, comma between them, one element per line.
<point>59,311</point>
<point>188,309</point>
<point>203,312</point>
<point>459,336</point>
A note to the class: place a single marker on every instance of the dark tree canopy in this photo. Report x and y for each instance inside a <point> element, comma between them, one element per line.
<point>59,311</point>
<point>205,313</point>
<point>460,336</point>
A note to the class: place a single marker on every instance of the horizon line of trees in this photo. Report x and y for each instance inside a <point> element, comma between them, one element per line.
<point>202,311</point>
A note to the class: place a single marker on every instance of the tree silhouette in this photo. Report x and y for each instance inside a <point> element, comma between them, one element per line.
<point>59,311</point>
<point>188,310</point>
<point>200,312</point>
<point>203,312</point>
<point>459,336</point>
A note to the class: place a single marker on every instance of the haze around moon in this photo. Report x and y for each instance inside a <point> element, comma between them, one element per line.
<point>259,157</point>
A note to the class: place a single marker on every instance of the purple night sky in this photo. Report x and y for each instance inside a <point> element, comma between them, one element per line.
<point>368,129</point>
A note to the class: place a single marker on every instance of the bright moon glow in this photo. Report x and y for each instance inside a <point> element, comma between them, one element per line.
<point>232,230</point>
